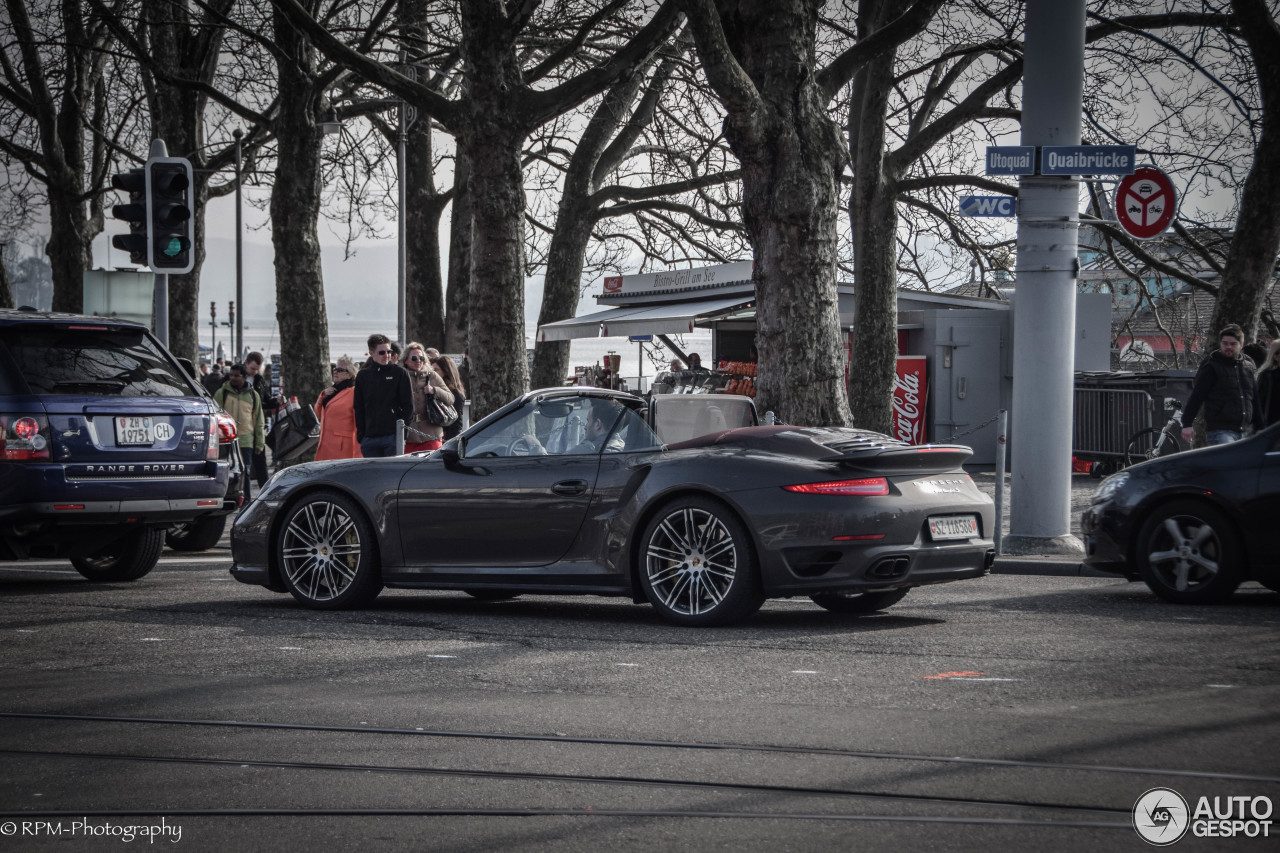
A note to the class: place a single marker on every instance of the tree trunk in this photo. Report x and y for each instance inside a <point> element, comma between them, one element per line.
<point>457,293</point>
<point>423,209</point>
<point>423,204</point>
<point>6,292</point>
<point>791,155</point>
<point>562,287</point>
<point>177,117</point>
<point>1251,262</point>
<point>295,212</point>
<point>873,219</point>
<point>68,250</point>
<point>496,328</point>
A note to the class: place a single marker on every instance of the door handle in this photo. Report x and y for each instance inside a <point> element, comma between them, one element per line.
<point>570,488</point>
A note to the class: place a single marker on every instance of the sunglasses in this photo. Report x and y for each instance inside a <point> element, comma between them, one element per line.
<point>383,352</point>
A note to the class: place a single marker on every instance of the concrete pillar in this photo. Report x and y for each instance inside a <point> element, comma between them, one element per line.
<point>1045,294</point>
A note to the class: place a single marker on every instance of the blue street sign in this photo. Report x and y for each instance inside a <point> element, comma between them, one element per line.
<point>1011,159</point>
<point>640,339</point>
<point>988,205</point>
<point>1088,159</point>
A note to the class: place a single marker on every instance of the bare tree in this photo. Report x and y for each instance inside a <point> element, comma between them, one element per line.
<point>57,120</point>
<point>506,95</point>
<point>762,61</point>
<point>648,168</point>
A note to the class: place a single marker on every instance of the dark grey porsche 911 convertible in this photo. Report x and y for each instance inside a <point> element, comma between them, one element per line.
<point>681,501</point>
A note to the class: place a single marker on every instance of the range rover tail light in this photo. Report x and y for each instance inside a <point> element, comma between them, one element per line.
<point>24,437</point>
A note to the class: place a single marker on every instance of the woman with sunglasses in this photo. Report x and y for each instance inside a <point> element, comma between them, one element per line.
<point>335,407</point>
<point>421,433</point>
<point>1269,384</point>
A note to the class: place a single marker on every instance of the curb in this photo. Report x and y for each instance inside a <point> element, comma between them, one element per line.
<point>1054,566</point>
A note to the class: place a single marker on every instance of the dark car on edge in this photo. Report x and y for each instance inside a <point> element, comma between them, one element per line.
<point>665,501</point>
<point>105,443</point>
<point>1194,525</point>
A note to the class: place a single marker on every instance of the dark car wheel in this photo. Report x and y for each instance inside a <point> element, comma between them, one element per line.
<point>327,553</point>
<point>491,594</point>
<point>125,559</point>
<point>858,602</point>
<point>697,566</point>
<point>199,535</point>
<point>1188,553</point>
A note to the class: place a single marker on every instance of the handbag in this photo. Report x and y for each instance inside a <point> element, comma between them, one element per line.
<point>438,413</point>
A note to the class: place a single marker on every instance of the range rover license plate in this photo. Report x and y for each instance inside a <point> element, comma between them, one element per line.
<point>134,431</point>
<point>954,527</point>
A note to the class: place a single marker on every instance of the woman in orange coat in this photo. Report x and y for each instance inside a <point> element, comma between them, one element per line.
<point>336,409</point>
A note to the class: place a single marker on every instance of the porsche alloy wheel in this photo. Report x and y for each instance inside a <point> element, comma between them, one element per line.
<point>1187,553</point>
<point>697,565</point>
<point>327,553</point>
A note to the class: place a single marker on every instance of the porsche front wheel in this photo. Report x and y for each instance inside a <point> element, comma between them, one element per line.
<point>327,553</point>
<point>697,566</point>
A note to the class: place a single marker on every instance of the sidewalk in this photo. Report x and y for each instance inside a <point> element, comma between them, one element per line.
<point>1082,489</point>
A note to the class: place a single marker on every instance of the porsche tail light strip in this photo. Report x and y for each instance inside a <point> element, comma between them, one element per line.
<point>867,486</point>
<point>857,538</point>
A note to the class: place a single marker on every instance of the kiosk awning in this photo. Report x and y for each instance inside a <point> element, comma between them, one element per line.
<point>673,318</point>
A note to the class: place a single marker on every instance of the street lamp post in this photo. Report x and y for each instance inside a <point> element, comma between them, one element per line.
<point>239,336</point>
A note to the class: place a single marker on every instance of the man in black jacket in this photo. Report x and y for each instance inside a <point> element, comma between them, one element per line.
<point>383,395</point>
<point>1226,387</point>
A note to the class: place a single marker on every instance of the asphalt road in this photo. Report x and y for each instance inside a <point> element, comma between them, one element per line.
<point>1015,712</point>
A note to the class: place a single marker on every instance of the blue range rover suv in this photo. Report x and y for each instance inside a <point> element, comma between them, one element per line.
<point>105,443</point>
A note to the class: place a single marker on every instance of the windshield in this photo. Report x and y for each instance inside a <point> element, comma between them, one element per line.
<point>108,363</point>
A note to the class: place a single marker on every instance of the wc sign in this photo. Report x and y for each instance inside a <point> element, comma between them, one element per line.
<point>988,205</point>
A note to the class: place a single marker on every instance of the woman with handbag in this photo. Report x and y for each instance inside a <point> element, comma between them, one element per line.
<point>335,407</point>
<point>449,372</point>
<point>432,401</point>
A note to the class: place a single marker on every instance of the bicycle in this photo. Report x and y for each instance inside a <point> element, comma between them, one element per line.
<point>1156,442</point>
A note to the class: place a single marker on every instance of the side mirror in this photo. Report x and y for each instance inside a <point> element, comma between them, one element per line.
<point>449,453</point>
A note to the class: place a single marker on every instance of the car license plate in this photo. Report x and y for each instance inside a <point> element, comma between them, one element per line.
<point>134,431</point>
<point>954,527</point>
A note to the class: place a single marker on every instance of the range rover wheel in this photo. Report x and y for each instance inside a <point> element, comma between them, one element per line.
<point>126,559</point>
<point>1188,553</point>
<point>327,553</point>
<point>697,566</point>
<point>858,602</point>
<point>199,535</point>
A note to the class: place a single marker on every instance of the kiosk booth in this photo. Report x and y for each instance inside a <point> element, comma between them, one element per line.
<point>954,352</point>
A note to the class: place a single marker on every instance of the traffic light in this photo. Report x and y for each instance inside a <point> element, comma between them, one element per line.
<point>134,182</point>
<point>170,233</point>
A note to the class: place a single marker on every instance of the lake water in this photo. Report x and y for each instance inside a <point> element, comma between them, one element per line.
<point>348,336</point>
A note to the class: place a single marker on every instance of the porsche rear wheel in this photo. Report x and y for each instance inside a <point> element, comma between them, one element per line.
<point>327,553</point>
<point>697,566</point>
<point>858,602</point>
<point>1188,553</point>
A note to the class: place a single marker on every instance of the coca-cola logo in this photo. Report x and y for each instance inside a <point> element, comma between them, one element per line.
<point>907,419</point>
<point>613,284</point>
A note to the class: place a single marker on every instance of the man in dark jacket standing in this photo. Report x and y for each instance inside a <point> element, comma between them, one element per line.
<point>383,395</point>
<point>1226,387</point>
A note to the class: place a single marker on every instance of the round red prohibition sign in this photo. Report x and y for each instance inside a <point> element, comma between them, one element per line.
<point>1146,203</point>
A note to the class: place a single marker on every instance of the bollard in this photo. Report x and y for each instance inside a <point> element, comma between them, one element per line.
<point>400,437</point>
<point>1001,431</point>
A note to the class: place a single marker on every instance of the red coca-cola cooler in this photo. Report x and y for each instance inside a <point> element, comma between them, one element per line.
<point>910,391</point>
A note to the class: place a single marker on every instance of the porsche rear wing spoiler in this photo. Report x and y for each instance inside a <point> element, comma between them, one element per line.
<point>922,458</point>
